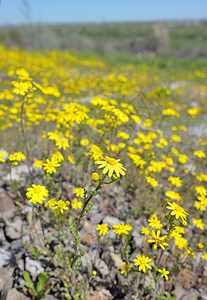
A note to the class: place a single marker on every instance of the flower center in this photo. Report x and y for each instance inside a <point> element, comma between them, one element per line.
<point>143,261</point>
<point>112,161</point>
<point>179,209</point>
<point>37,190</point>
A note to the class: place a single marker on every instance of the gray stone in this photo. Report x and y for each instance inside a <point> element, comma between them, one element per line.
<point>33,266</point>
<point>5,278</point>
<point>13,294</point>
<point>5,257</point>
<point>18,173</point>
<point>117,261</point>
<point>102,267</point>
<point>13,230</point>
<point>111,221</point>
<point>49,297</point>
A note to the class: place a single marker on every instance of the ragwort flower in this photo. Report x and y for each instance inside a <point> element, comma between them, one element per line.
<point>110,166</point>
<point>142,261</point>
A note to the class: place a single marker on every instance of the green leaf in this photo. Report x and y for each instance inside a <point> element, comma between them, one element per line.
<point>29,284</point>
<point>35,251</point>
<point>41,285</point>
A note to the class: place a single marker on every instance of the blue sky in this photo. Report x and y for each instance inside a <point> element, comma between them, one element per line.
<point>81,11</point>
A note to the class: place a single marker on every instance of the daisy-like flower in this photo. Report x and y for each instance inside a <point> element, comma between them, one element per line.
<point>50,166</point>
<point>79,192</point>
<point>190,253</point>
<point>200,154</point>
<point>76,204</point>
<point>199,223</point>
<point>204,256</point>
<point>38,164</point>
<point>51,203</point>
<point>164,273</point>
<point>125,268</point>
<point>37,193</point>
<point>142,261</point>
<point>103,228</point>
<point>122,229</point>
<point>177,211</point>
<point>159,241</point>
<point>154,222</point>
<point>145,231</point>
<point>62,143</point>
<point>61,206</point>
<point>70,159</point>
<point>200,245</point>
<point>3,155</point>
<point>110,166</point>
<point>21,88</point>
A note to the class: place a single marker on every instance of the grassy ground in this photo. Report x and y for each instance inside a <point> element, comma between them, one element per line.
<point>169,39</point>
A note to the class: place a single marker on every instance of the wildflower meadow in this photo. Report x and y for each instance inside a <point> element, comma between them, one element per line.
<point>105,166</point>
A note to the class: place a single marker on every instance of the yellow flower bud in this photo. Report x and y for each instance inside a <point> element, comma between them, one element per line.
<point>94,273</point>
<point>95,176</point>
<point>114,177</point>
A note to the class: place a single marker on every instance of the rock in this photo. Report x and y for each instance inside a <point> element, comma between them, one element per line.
<point>6,202</point>
<point>13,230</point>
<point>117,261</point>
<point>102,294</point>
<point>5,257</point>
<point>111,221</point>
<point>88,226</point>
<point>88,240</point>
<point>181,293</point>
<point>49,297</point>
<point>33,266</point>
<point>18,173</point>
<point>5,276</point>
<point>102,267</point>
<point>13,294</point>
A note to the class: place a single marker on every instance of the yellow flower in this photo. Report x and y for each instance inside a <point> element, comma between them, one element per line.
<point>142,261</point>
<point>37,193</point>
<point>3,155</point>
<point>62,143</point>
<point>125,268</point>
<point>122,229</point>
<point>175,181</point>
<point>76,204</point>
<point>51,203</point>
<point>145,231</point>
<point>164,273</point>
<point>200,154</point>
<point>84,142</point>
<point>154,222</point>
<point>21,88</point>
<point>95,177</point>
<point>110,166</point>
<point>61,206</point>
<point>177,211</point>
<point>200,245</point>
<point>204,256</point>
<point>152,181</point>
<point>199,223</point>
<point>38,164</point>
<point>79,192</point>
<point>190,253</point>
<point>158,240</point>
<point>57,156</point>
<point>193,111</point>
<point>103,228</point>
<point>173,195</point>
<point>70,159</point>
<point>181,243</point>
<point>50,166</point>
